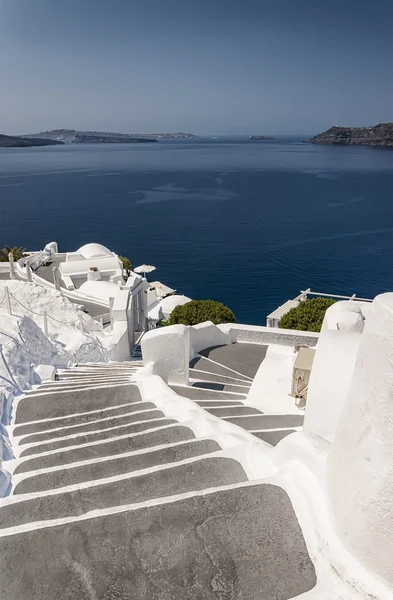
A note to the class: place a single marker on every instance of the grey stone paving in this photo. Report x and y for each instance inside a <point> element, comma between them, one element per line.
<point>207,385</point>
<point>267,421</point>
<point>236,379</point>
<point>244,358</point>
<point>198,394</point>
<point>273,437</point>
<point>238,544</point>
<point>199,475</point>
<point>39,426</point>
<point>53,404</point>
<point>233,411</point>
<point>210,367</point>
<point>95,437</point>
<point>115,466</point>
<point>94,426</point>
<point>170,435</point>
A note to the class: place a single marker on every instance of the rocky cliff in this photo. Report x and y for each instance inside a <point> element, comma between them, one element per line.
<point>12,141</point>
<point>378,135</point>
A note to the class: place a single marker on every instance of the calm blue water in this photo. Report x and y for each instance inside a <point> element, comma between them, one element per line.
<point>247,223</point>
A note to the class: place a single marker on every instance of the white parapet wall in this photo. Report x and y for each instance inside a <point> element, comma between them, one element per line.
<point>360,462</point>
<point>333,367</point>
<point>206,335</point>
<point>256,334</point>
<point>167,350</point>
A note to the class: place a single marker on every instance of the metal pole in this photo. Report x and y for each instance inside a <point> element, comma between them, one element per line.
<point>7,300</point>
<point>101,324</point>
<point>45,315</point>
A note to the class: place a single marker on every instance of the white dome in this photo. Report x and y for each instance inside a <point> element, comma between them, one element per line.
<point>170,302</point>
<point>102,290</point>
<point>94,251</point>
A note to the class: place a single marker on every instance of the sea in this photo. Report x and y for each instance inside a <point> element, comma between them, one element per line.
<point>248,223</point>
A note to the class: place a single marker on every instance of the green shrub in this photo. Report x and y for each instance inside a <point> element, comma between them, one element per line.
<point>127,266</point>
<point>307,316</point>
<point>199,311</point>
<point>17,252</point>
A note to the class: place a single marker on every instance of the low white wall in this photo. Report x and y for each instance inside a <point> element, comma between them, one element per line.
<point>4,267</point>
<point>168,349</point>
<point>360,463</point>
<point>330,379</point>
<point>205,335</point>
<point>117,344</point>
<point>255,334</point>
<point>333,367</point>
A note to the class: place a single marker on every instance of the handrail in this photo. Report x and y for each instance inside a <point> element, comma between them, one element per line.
<point>353,297</point>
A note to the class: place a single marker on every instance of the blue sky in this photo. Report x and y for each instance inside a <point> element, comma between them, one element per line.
<point>203,66</point>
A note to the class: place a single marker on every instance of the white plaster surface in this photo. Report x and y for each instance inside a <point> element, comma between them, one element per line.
<point>167,349</point>
<point>255,334</point>
<point>330,380</point>
<point>360,465</point>
<point>205,335</point>
<point>272,384</point>
<point>45,373</point>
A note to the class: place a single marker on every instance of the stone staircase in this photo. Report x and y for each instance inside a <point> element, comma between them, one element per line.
<point>220,379</point>
<point>113,499</point>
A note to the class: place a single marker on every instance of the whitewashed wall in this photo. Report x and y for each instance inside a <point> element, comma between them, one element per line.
<point>360,464</point>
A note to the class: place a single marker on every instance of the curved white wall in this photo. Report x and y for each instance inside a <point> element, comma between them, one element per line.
<point>360,464</point>
<point>333,368</point>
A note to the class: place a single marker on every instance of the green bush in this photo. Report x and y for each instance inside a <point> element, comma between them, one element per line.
<point>17,252</point>
<point>127,266</point>
<point>307,316</point>
<point>199,311</point>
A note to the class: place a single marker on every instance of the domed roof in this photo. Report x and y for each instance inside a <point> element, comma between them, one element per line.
<point>103,290</point>
<point>94,251</point>
<point>170,302</point>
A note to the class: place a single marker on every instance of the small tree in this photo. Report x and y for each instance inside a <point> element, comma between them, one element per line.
<point>18,252</point>
<point>127,266</point>
<point>307,316</point>
<point>199,311</point>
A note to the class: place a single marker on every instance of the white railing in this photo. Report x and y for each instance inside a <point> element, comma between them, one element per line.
<point>87,328</point>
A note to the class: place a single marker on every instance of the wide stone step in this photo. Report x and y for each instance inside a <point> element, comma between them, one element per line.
<point>267,421</point>
<point>95,436</point>
<point>207,385</point>
<point>201,363</point>
<point>243,358</point>
<point>94,426</point>
<point>198,475</point>
<point>273,437</point>
<point>198,394</point>
<point>114,466</point>
<point>234,379</point>
<point>128,443</point>
<point>233,411</point>
<point>70,376</point>
<point>217,403</point>
<point>78,419</point>
<point>236,543</point>
<point>54,404</point>
<point>80,383</point>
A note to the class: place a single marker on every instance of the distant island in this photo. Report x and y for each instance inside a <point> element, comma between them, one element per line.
<point>12,141</point>
<point>73,136</point>
<point>379,135</point>
<point>260,137</point>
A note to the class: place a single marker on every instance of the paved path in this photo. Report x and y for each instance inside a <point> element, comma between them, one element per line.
<point>113,499</point>
<point>220,379</point>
